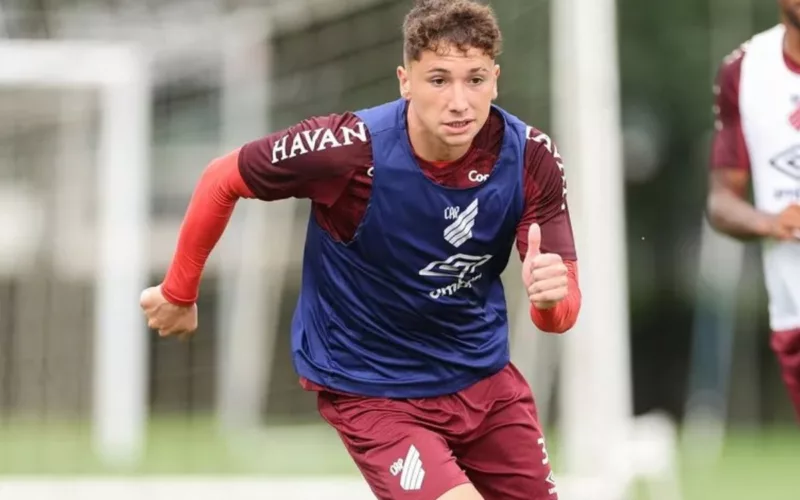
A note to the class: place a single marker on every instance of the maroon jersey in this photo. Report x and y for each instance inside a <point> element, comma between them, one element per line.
<point>328,160</point>
<point>729,149</point>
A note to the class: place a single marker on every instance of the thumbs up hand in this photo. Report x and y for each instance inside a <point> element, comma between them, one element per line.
<point>544,274</point>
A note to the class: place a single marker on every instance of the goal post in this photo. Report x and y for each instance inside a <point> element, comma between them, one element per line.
<point>596,387</point>
<point>249,291</point>
<point>604,447</point>
<point>120,74</point>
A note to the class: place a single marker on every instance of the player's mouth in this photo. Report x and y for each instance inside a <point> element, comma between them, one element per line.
<point>458,127</point>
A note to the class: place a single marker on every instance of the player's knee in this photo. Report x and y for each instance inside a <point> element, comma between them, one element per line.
<point>462,492</point>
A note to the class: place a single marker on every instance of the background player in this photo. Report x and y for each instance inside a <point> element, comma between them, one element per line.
<point>758,136</point>
<point>401,326</point>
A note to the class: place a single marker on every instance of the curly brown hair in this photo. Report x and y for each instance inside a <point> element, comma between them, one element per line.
<point>435,24</point>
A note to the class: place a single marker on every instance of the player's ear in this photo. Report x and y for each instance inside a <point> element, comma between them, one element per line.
<point>402,79</point>
<point>496,77</point>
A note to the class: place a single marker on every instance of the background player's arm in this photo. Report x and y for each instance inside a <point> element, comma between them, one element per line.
<point>730,212</point>
<point>728,208</point>
<point>313,159</point>
<point>546,205</point>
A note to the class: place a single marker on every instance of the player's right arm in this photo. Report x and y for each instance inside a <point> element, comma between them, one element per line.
<point>728,209</point>
<point>314,159</point>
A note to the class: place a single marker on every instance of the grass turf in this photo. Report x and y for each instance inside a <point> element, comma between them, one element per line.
<point>753,465</point>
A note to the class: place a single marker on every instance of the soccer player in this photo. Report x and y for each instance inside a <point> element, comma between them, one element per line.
<point>758,136</point>
<point>401,327</point>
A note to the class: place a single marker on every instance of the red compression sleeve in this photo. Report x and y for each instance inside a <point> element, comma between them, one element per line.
<point>210,208</point>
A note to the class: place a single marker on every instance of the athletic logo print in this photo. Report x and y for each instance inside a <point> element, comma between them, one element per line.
<point>794,117</point>
<point>460,230</point>
<point>456,266</point>
<point>788,162</point>
<point>551,482</point>
<point>464,268</point>
<point>410,470</point>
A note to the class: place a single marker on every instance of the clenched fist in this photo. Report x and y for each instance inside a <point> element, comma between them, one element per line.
<point>786,225</point>
<point>166,317</point>
<point>544,274</point>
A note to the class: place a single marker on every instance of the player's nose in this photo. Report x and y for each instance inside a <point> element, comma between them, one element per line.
<point>458,100</point>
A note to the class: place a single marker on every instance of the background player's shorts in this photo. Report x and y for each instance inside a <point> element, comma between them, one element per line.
<point>786,345</point>
<point>418,449</point>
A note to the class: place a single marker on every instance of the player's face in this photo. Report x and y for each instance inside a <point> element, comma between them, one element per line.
<point>450,93</point>
<point>790,9</point>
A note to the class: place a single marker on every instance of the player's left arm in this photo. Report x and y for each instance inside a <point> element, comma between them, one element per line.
<point>545,241</point>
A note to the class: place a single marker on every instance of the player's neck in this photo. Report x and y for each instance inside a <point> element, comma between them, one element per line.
<point>791,41</point>
<point>428,147</point>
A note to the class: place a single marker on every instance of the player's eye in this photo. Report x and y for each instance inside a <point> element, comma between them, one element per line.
<point>477,80</point>
<point>437,81</point>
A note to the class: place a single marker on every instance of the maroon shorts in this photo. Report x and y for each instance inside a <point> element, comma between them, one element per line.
<point>786,345</point>
<point>418,449</point>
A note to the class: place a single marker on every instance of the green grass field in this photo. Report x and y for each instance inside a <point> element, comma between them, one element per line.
<point>754,465</point>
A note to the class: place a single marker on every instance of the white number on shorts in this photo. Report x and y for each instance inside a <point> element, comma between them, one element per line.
<point>546,459</point>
